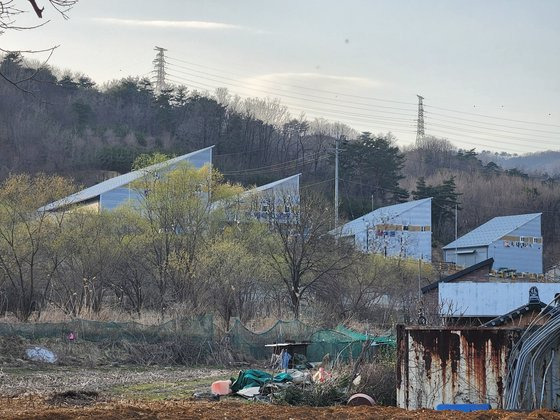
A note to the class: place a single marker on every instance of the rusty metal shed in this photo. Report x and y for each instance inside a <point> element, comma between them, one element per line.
<point>437,365</point>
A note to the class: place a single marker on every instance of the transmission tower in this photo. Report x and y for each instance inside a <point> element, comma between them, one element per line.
<point>420,124</point>
<point>159,69</point>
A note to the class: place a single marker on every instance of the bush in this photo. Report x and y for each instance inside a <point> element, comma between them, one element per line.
<point>378,379</point>
<point>322,395</point>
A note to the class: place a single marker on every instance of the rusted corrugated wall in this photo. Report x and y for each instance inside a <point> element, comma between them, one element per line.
<point>452,365</point>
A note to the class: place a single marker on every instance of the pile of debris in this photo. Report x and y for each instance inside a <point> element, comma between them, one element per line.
<point>310,387</point>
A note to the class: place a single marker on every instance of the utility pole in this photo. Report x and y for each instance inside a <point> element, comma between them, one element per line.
<point>456,258</point>
<point>336,182</point>
<point>367,237</point>
<point>420,121</point>
<point>159,69</point>
<point>420,277</point>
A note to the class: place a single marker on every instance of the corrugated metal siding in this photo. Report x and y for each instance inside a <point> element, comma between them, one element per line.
<point>518,256</point>
<point>395,242</point>
<point>452,365</point>
<point>489,299</point>
<point>466,260</point>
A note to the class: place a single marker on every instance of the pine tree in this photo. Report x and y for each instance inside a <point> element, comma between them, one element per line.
<point>444,199</point>
<point>372,168</point>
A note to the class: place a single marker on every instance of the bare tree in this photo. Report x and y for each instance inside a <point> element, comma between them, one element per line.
<point>29,252</point>
<point>9,12</point>
<point>303,253</point>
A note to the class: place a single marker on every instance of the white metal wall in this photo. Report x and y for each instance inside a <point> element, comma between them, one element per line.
<point>491,299</point>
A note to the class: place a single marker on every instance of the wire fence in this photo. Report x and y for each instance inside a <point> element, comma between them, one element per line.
<point>341,343</point>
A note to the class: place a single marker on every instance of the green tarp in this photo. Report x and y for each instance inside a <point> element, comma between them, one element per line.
<point>253,377</point>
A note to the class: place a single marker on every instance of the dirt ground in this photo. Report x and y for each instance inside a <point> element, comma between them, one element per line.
<point>32,407</point>
<point>118,381</point>
<point>59,392</point>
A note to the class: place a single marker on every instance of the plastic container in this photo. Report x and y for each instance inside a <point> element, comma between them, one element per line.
<point>221,387</point>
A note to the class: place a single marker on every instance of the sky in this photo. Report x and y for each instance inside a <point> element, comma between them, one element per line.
<point>488,70</point>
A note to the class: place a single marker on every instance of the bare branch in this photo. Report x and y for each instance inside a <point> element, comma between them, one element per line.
<point>32,77</point>
<point>38,11</point>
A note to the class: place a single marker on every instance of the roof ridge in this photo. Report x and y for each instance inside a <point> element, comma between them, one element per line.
<point>418,202</point>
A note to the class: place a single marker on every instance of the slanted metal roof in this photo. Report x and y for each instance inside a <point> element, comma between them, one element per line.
<point>491,231</point>
<point>256,190</point>
<point>459,274</point>
<point>271,185</point>
<point>116,182</point>
<point>380,215</point>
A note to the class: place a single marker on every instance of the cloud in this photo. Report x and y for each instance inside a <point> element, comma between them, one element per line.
<point>170,24</point>
<point>316,79</point>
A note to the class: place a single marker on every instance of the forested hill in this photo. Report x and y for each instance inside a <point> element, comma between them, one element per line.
<point>539,162</point>
<point>65,124</point>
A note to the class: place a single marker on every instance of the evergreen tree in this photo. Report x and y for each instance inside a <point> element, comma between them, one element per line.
<point>372,168</point>
<point>444,200</point>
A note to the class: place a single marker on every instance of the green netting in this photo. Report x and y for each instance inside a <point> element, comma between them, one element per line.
<point>336,344</point>
<point>252,344</point>
<point>351,333</point>
<point>198,328</point>
<point>341,343</point>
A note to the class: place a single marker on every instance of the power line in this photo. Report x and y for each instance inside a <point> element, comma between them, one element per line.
<point>302,98</point>
<point>392,128</point>
<point>523,139</point>
<point>494,144</point>
<point>240,153</point>
<point>371,98</point>
<point>420,120</point>
<point>381,120</point>
<point>356,117</point>
<point>282,165</point>
<point>281,88</point>
<point>492,117</point>
<point>316,183</point>
<point>491,130</point>
<point>480,143</point>
<point>490,123</point>
<point>319,111</point>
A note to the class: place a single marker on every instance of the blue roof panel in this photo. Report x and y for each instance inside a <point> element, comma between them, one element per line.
<point>491,231</point>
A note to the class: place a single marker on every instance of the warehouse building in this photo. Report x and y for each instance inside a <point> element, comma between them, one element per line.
<point>115,192</point>
<point>514,242</point>
<point>401,230</point>
<point>278,200</point>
